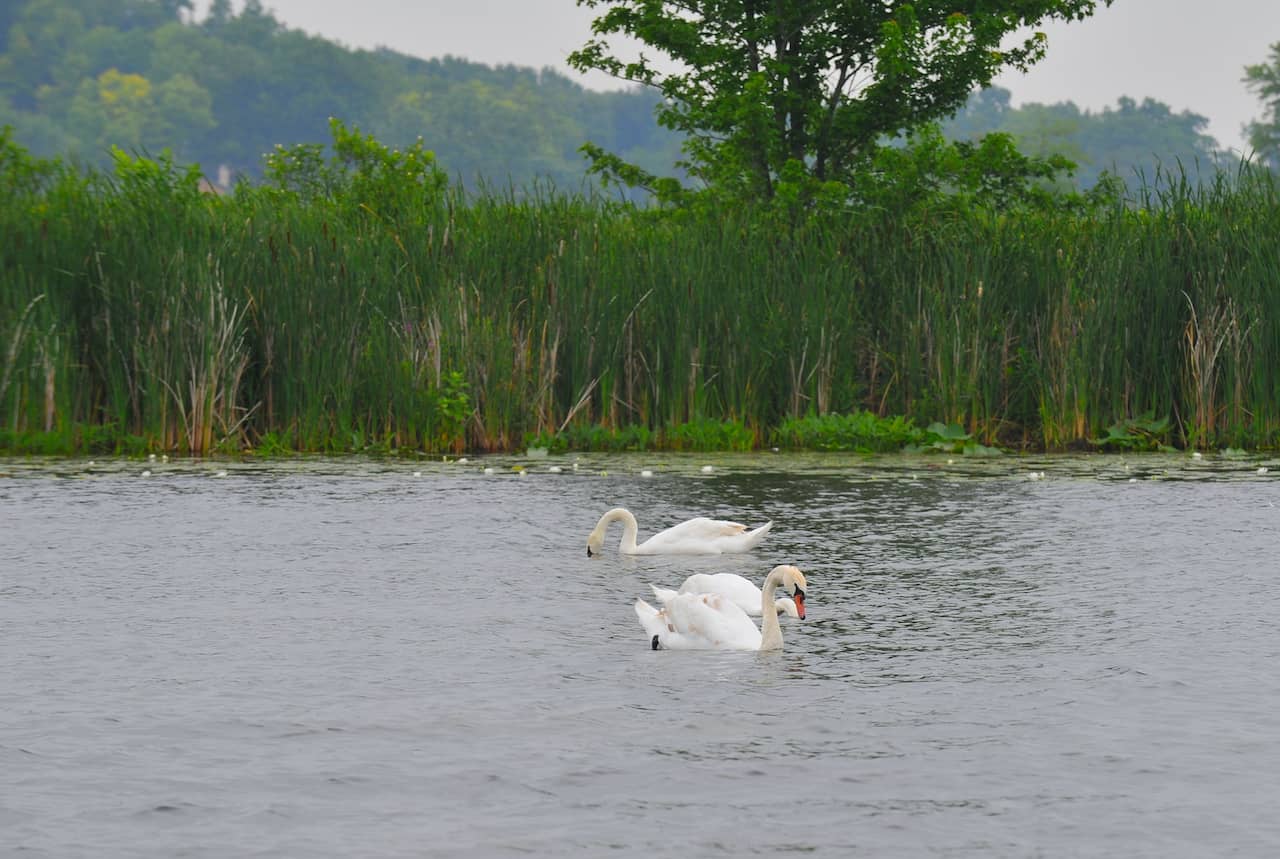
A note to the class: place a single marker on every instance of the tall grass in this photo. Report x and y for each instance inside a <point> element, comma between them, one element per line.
<point>378,307</point>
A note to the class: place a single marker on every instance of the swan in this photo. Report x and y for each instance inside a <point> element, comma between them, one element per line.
<point>699,536</point>
<point>714,622</point>
<point>741,591</point>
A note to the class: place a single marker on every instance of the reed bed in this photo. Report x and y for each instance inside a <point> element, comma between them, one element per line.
<point>138,313</point>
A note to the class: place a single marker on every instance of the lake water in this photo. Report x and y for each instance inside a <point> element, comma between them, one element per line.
<point>340,658</point>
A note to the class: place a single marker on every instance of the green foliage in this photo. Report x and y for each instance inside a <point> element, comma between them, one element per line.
<point>271,444</point>
<point>21,175</point>
<point>929,170</point>
<point>76,438</point>
<point>595,437</point>
<point>439,320</point>
<point>698,435</point>
<point>709,435</point>
<point>795,95</point>
<point>453,408</point>
<point>78,77</point>
<point>860,431</point>
<point>361,172</point>
<point>1130,141</point>
<point>151,183</point>
<point>1264,133</point>
<point>951,438</point>
<point>1143,433</point>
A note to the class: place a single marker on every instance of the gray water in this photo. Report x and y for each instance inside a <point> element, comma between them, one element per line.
<point>337,658</point>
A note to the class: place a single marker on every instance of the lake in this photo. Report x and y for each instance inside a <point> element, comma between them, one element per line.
<point>1017,656</point>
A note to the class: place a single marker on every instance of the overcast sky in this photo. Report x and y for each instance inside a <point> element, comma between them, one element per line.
<point>1189,54</point>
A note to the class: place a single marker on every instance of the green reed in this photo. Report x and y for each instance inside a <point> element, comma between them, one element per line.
<point>389,311</point>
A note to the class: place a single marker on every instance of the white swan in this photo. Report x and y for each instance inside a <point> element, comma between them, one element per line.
<point>699,536</point>
<point>714,622</point>
<point>741,591</point>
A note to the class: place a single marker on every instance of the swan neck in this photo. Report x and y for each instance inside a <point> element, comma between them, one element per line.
<point>770,629</point>
<point>630,529</point>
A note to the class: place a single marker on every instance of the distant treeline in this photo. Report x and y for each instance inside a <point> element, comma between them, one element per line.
<point>78,77</point>
<point>364,301</point>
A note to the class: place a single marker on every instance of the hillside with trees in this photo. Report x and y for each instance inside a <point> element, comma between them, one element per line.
<point>1263,80</point>
<point>78,77</point>
<point>1130,141</point>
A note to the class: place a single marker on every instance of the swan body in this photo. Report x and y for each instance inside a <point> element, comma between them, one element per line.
<point>740,591</point>
<point>714,622</point>
<point>700,536</point>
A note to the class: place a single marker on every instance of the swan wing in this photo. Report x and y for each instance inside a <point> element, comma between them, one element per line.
<point>708,622</point>
<point>744,542</point>
<point>703,536</point>
<point>743,592</point>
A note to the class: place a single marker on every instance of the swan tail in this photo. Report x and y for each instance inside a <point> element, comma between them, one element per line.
<point>663,595</point>
<point>650,619</point>
<point>754,538</point>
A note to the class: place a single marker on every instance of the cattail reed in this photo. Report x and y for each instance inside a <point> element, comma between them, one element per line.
<point>384,313</point>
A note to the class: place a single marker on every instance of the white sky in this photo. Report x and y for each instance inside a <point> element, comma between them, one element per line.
<point>1189,54</point>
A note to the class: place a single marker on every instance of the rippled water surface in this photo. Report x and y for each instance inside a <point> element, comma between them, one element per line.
<point>341,658</point>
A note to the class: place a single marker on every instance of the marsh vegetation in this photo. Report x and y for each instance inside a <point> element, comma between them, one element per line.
<point>362,302</point>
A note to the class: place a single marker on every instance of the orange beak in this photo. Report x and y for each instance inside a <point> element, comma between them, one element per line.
<point>799,598</point>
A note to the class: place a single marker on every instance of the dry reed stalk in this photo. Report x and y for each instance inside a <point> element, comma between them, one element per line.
<point>1205,336</point>
<point>544,396</point>
<point>15,344</point>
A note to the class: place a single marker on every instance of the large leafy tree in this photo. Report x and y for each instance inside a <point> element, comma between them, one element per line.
<point>785,91</point>
<point>1264,133</point>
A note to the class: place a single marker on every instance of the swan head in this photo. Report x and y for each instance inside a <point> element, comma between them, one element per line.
<point>793,581</point>
<point>595,540</point>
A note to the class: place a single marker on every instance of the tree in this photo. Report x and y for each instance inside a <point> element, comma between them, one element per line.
<point>220,12</point>
<point>1133,141</point>
<point>1264,133</point>
<point>113,109</point>
<point>807,91</point>
<point>80,77</point>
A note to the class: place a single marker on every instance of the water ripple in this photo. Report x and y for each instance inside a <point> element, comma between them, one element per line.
<point>342,657</point>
